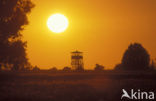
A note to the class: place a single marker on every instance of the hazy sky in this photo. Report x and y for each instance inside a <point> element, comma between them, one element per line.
<point>102,29</point>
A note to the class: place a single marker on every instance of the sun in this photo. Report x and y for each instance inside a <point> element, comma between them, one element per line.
<point>57,23</point>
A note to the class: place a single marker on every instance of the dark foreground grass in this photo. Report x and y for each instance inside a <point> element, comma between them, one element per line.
<point>72,86</point>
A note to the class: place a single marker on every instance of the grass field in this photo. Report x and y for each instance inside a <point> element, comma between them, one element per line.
<point>72,86</point>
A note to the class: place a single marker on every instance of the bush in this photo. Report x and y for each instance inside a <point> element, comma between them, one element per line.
<point>36,68</point>
<point>53,69</point>
<point>66,69</point>
<point>99,67</point>
<point>118,67</point>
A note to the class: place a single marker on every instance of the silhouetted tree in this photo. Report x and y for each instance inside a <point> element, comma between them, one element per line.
<point>53,69</point>
<point>66,69</point>
<point>99,67</point>
<point>13,17</point>
<point>36,68</point>
<point>136,58</point>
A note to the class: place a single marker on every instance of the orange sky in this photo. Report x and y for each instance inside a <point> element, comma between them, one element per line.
<point>102,29</point>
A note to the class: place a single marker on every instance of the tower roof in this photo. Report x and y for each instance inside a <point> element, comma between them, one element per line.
<point>76,52</point>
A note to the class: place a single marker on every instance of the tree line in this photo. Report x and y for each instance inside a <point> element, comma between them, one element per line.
<point>135,58</point>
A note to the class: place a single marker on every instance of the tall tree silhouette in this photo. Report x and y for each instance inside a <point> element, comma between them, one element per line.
<point>13,17</point>
<point>136,58</point>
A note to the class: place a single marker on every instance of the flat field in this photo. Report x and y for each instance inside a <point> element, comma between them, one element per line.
<point>72,86</point>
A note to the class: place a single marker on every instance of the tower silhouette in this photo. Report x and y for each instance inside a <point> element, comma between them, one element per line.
<point>77,60</point>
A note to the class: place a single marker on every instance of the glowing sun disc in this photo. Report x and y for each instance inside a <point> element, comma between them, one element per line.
<point>57,23</point>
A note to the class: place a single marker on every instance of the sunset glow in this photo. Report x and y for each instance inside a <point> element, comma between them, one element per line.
<point>102,30</point>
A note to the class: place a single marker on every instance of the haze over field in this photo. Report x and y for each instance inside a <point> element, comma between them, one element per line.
<point>101,29</point>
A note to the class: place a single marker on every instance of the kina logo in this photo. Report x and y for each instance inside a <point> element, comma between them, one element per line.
<point>137,95</point>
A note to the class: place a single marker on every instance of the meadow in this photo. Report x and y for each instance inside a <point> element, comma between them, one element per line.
<point>72,86</point>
